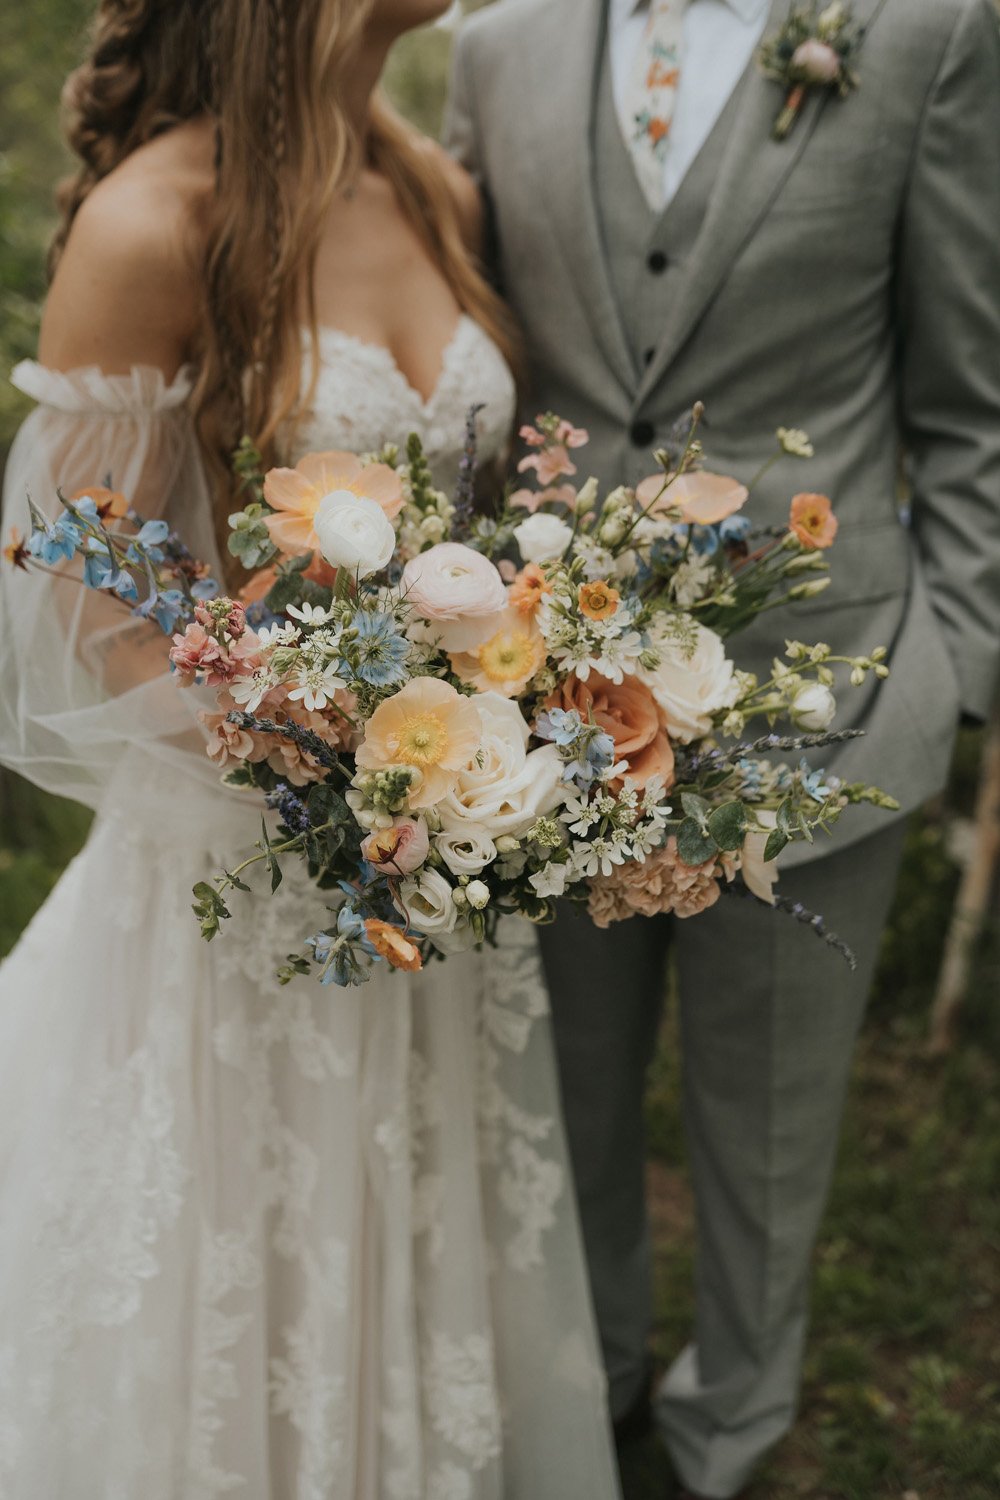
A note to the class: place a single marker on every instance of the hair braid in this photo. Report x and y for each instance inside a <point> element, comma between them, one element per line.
<point>276,217</point>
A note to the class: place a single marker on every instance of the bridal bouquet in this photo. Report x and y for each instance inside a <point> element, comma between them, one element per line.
<point>452,716</point>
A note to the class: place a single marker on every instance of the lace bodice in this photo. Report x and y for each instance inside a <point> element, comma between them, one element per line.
<point>363,400</point>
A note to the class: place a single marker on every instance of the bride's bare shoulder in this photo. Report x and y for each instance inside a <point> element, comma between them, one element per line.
<point>128,290</point>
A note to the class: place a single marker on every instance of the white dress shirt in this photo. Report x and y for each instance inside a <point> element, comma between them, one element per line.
<point>719,40</point>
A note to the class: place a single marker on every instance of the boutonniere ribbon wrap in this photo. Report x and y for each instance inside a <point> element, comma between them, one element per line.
<point>814,49</point>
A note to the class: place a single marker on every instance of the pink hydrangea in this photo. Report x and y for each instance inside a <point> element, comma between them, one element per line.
<point>664,883</point>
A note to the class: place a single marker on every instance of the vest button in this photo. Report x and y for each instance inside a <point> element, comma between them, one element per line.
<point>657,262</point>
<point>642,434</point>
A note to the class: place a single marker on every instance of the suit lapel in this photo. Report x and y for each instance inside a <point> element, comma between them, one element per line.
<point>567,57</point>
<point>753,172</point>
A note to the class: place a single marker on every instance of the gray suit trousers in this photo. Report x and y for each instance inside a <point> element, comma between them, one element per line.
<point>769,1018</point>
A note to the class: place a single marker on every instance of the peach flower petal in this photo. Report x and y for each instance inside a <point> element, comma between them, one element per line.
<point>703,499</point>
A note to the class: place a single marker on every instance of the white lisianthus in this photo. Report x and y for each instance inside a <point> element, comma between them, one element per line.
<point>504,789</point>
<point>550,880</point>
<point>428,903</point>
<point>354,533</point>
<point>542,537</point>
<point>466,851</point>
<point>812,708</point>
<point>691,687</point>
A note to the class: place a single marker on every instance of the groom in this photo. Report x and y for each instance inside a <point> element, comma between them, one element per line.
<point>660,247</point>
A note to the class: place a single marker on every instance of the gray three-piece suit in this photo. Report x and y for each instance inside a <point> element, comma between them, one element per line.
<point>845,281</point>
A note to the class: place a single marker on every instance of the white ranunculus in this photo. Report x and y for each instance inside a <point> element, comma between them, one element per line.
<point>466,851</point>
<point>542,537</point>
<point>354,533</point>
<point>428,903</point>
<point>691,687</point>
<point>812,708</point>
<point>504,789</point>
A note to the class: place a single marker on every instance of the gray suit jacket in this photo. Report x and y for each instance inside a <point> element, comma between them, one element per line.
<point>846,281</point>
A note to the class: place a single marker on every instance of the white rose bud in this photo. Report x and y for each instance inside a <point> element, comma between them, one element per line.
<point>354,533</point>
<point>477,894</point>
<point>542,537</point>
<point>812,708</point>
<point>507,845</point>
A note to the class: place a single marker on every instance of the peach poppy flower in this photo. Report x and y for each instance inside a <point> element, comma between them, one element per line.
<point>528,589</point>
<point>393,945</point>
<point>427,724</point>
<point>628,712</point>
<point>295,495</point>
<point>813,522</point>
<point>507,661</point>
<point>598,600</point>
<point>703,499</point>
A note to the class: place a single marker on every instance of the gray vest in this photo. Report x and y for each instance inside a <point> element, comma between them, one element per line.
<point>646,254</point>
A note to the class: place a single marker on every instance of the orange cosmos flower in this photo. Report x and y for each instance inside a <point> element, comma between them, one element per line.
<point>393,945</point>
<point>15,552</point>
<point>295,495</point>
<point>506,662</point>
<point>598,600</point>
<point>813,522</point>
<point>528,588</point>
<point>427,724</point>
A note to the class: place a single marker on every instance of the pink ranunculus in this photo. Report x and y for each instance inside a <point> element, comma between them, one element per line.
<point>399,850</point>
<point>459,590</point>
<point>816,62</point>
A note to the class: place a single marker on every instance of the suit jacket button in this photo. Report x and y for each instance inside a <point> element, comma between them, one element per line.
<point>657,262</point>
<point>642,434</point>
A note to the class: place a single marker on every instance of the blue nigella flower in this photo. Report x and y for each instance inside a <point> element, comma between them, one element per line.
<point>735,528</point>
<point>379,651</point>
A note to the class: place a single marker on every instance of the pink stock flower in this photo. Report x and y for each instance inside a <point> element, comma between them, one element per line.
<point>222,617</point>
<point>563,494</point>
<point>198,655</point>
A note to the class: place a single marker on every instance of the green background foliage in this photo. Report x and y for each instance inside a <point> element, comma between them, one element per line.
<point>903,1378</point>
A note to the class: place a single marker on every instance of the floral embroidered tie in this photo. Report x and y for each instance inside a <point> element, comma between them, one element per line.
<point>648,108</point>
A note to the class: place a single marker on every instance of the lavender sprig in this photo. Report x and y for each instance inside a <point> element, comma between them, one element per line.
<point>306,739</point>
<point>290,808</point>
<point>800,913</point>
<point>465,489</point>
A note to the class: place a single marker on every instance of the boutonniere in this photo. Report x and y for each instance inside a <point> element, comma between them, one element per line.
<point>814,49</point>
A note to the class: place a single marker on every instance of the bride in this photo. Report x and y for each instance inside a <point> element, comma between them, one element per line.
<point>301,1244</point>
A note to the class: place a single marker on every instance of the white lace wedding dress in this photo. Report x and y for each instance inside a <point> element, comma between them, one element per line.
<point>299,1244</point>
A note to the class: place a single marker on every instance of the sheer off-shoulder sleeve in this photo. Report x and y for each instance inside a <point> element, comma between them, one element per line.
<point>82,682</point>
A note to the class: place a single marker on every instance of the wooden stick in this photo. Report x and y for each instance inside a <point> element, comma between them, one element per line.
<point>973,900</point>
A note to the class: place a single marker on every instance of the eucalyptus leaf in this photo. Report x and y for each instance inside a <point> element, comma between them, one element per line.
<point>694,845</point>
<point>728,825</point>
